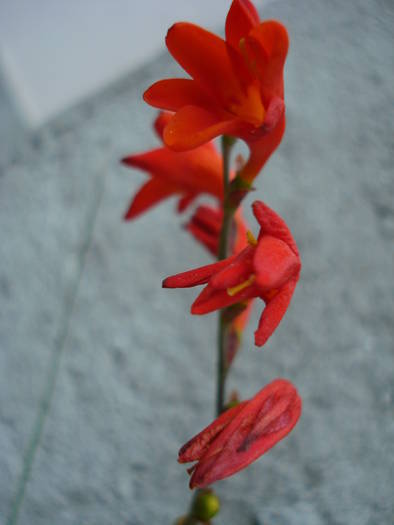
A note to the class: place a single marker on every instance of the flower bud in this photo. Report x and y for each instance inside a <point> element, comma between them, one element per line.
<point>242,434</point>
<point>206,505</point>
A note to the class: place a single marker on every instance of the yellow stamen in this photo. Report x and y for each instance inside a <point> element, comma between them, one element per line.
<point>251,238</point>
<point>235,289</point>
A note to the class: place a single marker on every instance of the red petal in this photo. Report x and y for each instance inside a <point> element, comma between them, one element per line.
<point>273,313</point>
<point>161,122</point>
<point>236,272</point>
<point>149,194</point>
<point>266,46</point>
<point>244,75</point>
<point>194,277</point>
<point>174,93</point>
<point>185,202</point>
<point>241,18</point>
<point>272,224</point>
<point>205,226</point>
<point>263,422</point>
<point>274,113</point>
<point>274,263</point>
<point>211,299</point>
<point>208,218</point>
<point>191,171</point>
<point>197,446</point>
<point>204,56</point>
<point>208,239</point>
<point>201,169</point>
<point>261,148</point>
<point>192,126</point>
<point>157,161</point>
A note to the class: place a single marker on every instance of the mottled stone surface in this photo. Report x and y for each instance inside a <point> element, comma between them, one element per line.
<point>135,370</point>
<point>11,123</point>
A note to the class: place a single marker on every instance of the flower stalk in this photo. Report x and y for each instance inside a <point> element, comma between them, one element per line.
<point>228,213</point>
<point>235,89</point>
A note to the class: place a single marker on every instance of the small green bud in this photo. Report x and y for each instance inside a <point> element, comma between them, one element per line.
<point>233,401</point>
<point>206,505</point>
<point>240,184</point>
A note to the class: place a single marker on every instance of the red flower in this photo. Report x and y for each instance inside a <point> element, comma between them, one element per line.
<point>236,86</point>
<point>205,225</point>
<point>186,174</point>
<point>269,268</point>
<point>242,434</point>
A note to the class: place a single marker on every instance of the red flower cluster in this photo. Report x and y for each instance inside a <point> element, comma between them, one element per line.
<point>242,434</point>
<point>236,89</point>
<point>236,85</point>
<point>268,268</point>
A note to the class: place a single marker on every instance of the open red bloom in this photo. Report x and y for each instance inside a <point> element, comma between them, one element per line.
<point>206,223</point>
<point>186,174</point>
<point>242,434</point>
<point>268,268</point>
<point>236,86</point>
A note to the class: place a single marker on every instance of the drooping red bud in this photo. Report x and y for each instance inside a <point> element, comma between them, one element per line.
<point>242,434</point>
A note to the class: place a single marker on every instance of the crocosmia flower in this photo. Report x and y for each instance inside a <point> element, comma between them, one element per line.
<point>205,225</point>
<point>268,268</point>
<point>186,174</point>
<point>236,85</point>
<point>242,434</point>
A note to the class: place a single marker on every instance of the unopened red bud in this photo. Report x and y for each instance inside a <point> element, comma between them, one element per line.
<point>242,434</point>
<point>206,505</point>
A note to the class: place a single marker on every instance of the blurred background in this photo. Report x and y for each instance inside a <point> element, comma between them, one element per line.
<point>56,53</point>
<point>103,375</point>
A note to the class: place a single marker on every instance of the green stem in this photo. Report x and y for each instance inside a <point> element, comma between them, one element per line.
<point>221,372</point>
<point>228,213</point>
